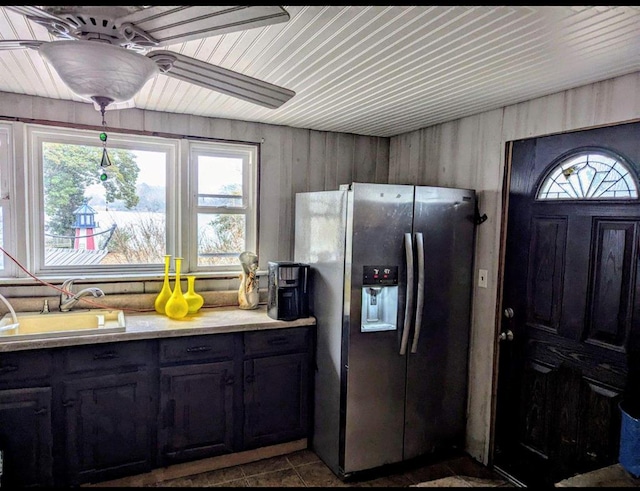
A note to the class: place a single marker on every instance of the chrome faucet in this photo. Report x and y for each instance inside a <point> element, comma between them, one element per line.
<point>67,301</point>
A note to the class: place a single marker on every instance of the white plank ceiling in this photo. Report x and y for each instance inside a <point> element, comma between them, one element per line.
<point>377,70</point>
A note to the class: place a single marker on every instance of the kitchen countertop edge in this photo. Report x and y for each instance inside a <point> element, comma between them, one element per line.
<point>151,325</point>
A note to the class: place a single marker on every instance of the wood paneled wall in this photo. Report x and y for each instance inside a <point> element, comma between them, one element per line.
<point>470,153</point>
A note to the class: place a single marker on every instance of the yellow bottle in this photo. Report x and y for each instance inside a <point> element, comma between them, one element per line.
<point>194,299</point>
<point>165,292</point>
<point>177,306</point>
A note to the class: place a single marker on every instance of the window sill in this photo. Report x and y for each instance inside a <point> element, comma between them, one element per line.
<point>120,278</point>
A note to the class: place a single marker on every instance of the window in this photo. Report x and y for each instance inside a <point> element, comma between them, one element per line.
<point>592,175</point>
<point>224,178</point>
<point>82,224</point>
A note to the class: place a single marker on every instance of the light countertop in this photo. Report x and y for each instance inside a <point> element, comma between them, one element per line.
<point>151,325</point>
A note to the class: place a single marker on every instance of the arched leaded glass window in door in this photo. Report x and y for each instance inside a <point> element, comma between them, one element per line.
<point>589,175</point>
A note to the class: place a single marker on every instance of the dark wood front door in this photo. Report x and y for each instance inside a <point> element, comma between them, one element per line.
<point>569,308</point>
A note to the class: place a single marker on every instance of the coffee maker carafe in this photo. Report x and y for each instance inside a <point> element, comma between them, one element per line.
<point>288,290</point>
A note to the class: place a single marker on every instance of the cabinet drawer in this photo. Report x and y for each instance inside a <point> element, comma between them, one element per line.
<point>287,340</point>
<point>197,348</point>
<point>20,366</point>
<point>129,356</point>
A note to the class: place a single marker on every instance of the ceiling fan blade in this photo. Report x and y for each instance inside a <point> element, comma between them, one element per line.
<point>177,24</point>
<point>220,79</point>
<point>55,25</point>
<point>20,44</point>
<point>33,11</point>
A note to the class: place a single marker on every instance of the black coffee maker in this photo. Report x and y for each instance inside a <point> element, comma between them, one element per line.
<point>288,290</point>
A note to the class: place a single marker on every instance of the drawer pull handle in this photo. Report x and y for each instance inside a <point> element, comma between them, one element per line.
<point>249,379</point>
<point>68,403</point>
<point>230,380</point>
<point>8,369</point>
<point>109,355</point>
<point>197,349</point>
<point>278,341</point>
<point>41,411</point>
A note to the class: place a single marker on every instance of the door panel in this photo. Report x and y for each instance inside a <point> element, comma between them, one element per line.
<point>611,289</point>
<point>107,426</point>
<point>548,239</point>
<point>375,378</point>
<point>437,370</point>
<point>570,276</point>
<point>26,438</point>
<point>276,399</point>
<point>197,417</point>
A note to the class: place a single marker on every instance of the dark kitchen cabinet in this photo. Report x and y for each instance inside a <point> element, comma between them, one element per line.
<point>26,438</point>
<point>108,407</point>
<point>276,386</point>
<point>208,408</point>
<point>90,413</point>
<point>198,397</point>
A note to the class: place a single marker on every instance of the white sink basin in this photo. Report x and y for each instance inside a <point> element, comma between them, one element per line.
<point>34,325</point>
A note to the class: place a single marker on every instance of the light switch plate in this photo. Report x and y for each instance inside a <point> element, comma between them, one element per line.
<point>482,278</point>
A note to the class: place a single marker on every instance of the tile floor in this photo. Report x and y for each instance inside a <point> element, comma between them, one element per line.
<point>304,469</point>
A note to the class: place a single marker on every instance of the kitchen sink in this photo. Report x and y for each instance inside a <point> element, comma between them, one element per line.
<point>36,325</point>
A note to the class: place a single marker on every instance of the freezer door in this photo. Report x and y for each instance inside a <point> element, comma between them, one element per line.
<point>437,361</point>
<point>378,216</point>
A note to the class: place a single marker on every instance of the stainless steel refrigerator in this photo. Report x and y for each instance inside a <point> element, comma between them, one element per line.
<point>391,282</point>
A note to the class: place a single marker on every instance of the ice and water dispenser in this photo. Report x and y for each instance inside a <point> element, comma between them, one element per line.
<point>379,298</point>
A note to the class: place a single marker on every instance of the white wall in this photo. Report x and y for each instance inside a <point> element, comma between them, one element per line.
<point>470,153</point>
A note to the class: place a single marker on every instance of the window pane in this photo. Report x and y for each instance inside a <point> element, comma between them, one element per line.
<point>221,238</point>
<point>219,181</point>
<point>121,220</point>
<point>589,176</point>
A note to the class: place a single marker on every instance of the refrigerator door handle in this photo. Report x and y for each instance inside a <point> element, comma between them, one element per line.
<point>408,248</point>
<point>420,301</point>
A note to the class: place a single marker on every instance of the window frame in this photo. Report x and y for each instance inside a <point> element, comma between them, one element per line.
<point>21,166</point>
<point>36,135</point>
<point>8,196</point>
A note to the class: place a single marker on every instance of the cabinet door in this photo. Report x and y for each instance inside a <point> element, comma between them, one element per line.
<point>197,414</point>
<point>107,426</point>
<point>25,437</point>
<point>276,399</point>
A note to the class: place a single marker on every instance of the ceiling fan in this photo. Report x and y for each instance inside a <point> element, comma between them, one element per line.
<point>106,53</point>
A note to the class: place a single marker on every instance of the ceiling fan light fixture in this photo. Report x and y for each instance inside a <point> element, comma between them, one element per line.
<point>93,69</point>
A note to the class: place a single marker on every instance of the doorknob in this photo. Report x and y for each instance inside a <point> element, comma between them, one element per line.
<point>508,312</point>
<point>506,335</point>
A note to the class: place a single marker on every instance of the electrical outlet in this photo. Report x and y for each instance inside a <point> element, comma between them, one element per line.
<point>482,278</point>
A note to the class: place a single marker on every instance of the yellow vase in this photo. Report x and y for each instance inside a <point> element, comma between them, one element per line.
<point>165,292</point>
<point>194,299</point>
<point>177,306</point>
